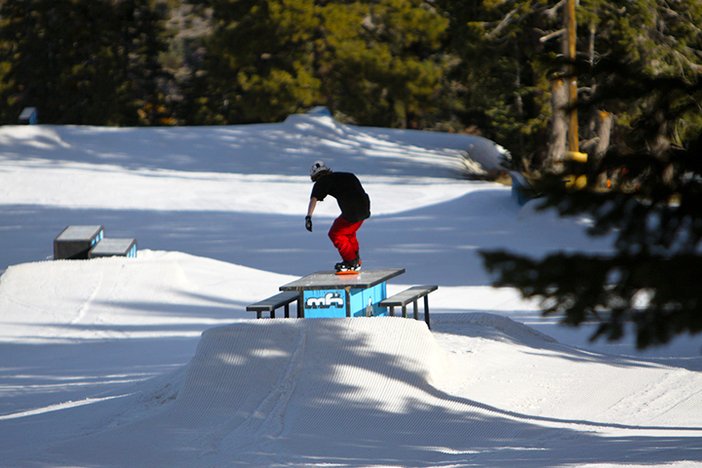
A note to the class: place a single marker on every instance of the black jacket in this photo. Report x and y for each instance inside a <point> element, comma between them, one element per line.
<point>348,191</point>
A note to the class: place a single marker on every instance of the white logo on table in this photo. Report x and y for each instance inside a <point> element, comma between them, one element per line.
<point>329,300</point>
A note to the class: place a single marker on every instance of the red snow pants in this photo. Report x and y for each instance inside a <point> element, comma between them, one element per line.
<point>343,236</point>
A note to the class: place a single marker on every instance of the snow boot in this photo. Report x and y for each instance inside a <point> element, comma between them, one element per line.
<point>353,265</point>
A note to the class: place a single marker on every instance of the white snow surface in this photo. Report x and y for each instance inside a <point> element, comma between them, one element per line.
<point>154,362</point>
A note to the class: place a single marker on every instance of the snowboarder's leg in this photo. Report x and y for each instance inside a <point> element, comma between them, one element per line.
<point>353,241</point>
<point>343,236</point>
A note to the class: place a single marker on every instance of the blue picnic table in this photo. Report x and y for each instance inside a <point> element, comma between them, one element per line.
<point>326,294</point>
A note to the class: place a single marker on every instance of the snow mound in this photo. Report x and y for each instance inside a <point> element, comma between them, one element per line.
<point>497,327</point>
<point>364,392</point>
<point>257,388</point>
<point>460,154</point>
<point>259,368</point>
<point>157,294</point>
<point>36,136</point>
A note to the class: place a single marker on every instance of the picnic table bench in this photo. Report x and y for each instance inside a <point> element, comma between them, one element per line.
<point>412,294</point>
<point>275,302</point>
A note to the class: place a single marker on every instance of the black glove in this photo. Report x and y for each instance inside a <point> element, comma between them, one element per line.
<point>308,223</point>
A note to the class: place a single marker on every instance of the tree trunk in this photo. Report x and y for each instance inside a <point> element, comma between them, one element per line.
<point>603,125</point>
<point>559,126</point>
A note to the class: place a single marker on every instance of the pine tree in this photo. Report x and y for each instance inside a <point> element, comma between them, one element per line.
<point>258,62</point>
<point>140,39</point>
<point>510,51</point>
<point>80,61</point>
<point>382,61</point>
<point>651,282</point>
<point>375,62</point>
<point>504,69</point>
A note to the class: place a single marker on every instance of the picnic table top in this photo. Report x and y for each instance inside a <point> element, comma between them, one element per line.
<point>330,280</point>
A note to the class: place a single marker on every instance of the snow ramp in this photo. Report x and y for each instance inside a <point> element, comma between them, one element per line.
<point>350,392</point>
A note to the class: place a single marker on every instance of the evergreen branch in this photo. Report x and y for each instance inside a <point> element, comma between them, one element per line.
<point>502,25</point>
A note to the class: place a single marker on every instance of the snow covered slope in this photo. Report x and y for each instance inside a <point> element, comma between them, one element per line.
<point>154,362</point>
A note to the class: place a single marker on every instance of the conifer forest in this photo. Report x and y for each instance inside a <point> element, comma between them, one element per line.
<point>480,66</point>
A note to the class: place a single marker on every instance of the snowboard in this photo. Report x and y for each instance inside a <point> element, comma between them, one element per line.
<point>347,272</point>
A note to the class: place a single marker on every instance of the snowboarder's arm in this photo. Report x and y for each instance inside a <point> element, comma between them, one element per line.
<point>310,210</point>
<point>313,204</point>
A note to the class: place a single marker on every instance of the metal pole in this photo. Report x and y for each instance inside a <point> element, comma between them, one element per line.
<point>348,301</point>
<point>426,310</point>
<point>571,27</point>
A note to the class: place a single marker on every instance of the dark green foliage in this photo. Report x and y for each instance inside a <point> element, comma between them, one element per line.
<point>81,61</point>
<point>370,62</point>
<point>504,69</point>
<point>658,295</point>
<point>653,279</point>
<point>507,52</point>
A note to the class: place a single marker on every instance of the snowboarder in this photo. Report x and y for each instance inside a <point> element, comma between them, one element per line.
<point>355,208</point>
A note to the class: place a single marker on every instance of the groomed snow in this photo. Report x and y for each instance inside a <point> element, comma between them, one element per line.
<point>154,362</point>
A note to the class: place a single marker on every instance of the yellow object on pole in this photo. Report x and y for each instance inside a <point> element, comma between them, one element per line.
<point>576,156</point>
<point>576,182</point>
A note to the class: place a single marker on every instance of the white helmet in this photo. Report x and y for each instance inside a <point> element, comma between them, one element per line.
<point>317,168</point>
